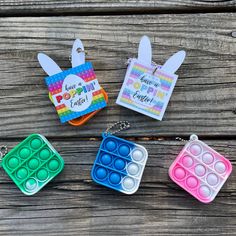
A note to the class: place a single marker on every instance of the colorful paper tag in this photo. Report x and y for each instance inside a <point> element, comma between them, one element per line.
<point>147,87</point>
<point>75,92</point>
<point>146,92</point>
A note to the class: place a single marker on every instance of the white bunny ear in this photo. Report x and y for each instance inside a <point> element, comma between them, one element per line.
<point>174,62</point>
<point>77,56</point>
<point>48,65</point>
<point>145,51</point>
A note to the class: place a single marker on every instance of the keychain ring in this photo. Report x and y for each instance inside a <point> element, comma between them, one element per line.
<point>155,69</point>
<point>123,125</point>
<point>3,151</point>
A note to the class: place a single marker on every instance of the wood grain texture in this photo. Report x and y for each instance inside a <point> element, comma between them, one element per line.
<point>72,204</point>
<point>203,100</point>
<point>49,7</point>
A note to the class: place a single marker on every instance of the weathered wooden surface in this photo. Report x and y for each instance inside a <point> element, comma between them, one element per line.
<point>203,102</point>
<point>73,205</point>
<point>50,7</point>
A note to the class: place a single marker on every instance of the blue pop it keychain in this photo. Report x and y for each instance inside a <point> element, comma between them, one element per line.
<point>119,163</point>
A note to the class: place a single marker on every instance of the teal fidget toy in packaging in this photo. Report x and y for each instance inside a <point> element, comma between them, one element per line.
<point>32,164</point>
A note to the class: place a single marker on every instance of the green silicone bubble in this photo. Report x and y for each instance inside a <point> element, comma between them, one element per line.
<point>53,165</point>
<point>24,152</point>
<point>32,164</point>
<point>22,173</point>
<point>42,174</point>
<point>44,154</point>
<point>36,143</point>
<point>31,184</point>
<point>13,162</point>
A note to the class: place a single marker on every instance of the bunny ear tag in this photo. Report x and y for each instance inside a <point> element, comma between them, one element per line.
<point>48,65</point>
<point>77,54</point>
<point>147,87</point>
<point>174,62</point>
<point>145,51</point>
<point>75,92</point>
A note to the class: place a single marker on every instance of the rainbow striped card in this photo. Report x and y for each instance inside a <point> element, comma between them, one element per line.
<point>75,92</point>
<point>145,92</point>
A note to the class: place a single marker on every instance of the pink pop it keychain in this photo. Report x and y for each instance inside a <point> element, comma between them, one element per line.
<point>200,170</point>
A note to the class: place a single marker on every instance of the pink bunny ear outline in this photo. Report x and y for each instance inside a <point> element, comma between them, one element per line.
<point>48,65</point>
<point>174,62</point>
<point>145,51</point>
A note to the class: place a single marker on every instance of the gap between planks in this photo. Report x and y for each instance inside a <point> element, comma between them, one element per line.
<point>130,138</point>
<point>122,12</point>
<point>114,7</point>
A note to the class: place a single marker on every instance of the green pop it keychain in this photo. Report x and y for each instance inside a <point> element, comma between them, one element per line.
<point>32,163</point>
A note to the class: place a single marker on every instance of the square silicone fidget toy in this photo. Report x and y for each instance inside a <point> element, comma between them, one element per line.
<point>119,164</point>
<point>32,164</point>
<point>200,170</point>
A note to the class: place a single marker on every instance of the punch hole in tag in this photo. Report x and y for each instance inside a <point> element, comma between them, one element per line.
<point>147,86</point>
<point>75,93</point>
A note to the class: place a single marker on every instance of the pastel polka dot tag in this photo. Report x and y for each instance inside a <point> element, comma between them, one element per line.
<point>147,87</point>
<point>75,92</point>
<point>200,170</point>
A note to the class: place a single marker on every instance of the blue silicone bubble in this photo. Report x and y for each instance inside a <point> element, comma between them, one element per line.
<point>106,159</point>
<point>111,145</point>
<point>115,178</point>
<point>119,164</point>
<point>124,150</point>
<point>101,173</point>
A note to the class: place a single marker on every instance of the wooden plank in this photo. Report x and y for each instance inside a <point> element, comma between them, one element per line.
<point>72,204</point>
<point>203,101</point>
<point>50,7</point>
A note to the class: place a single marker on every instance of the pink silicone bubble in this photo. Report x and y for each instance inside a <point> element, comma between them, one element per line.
<point>220,167</point>
<point>207,158</point>
<point>179,173</point>
<point>212,179</point>
<point>195,149</point>
<point>187,161</point>
<point>204,191</point>
<point>200,170</point>
<point>192,182</point>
